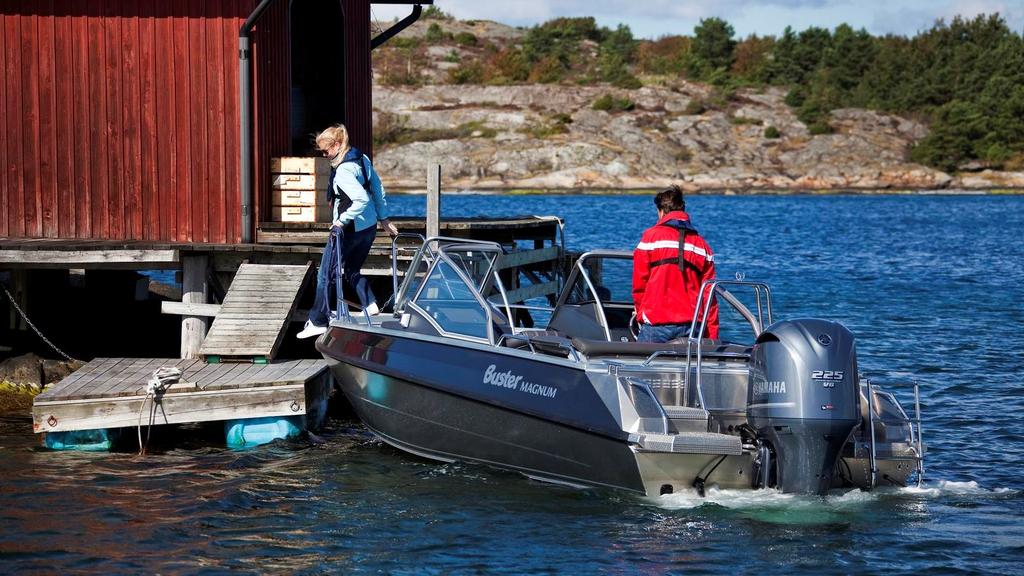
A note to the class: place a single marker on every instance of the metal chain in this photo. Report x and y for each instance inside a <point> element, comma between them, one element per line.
<point>33,326</point>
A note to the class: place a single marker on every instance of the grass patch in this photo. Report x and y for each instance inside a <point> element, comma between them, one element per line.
<point>743,121</point>
<point>16,399</point>
<point>610,103</point>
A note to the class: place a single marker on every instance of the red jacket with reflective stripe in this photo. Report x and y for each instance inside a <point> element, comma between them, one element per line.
<point>662,293</point>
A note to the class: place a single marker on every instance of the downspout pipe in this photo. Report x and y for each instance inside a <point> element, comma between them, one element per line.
<point>245,118</point>
<point>397,27</point>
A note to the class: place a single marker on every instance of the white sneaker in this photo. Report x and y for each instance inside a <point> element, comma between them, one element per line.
<point>372,309</point>
<point>332,316</point>
<point>310,330</point>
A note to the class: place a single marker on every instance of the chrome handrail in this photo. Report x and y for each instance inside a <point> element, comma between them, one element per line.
<point>711,287</point>
<point>920,445</point>
<point>394,259</point>
<point>873,463</point>
<point>573,354</point>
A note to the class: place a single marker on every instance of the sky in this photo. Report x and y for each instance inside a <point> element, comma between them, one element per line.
<point>654,18</point>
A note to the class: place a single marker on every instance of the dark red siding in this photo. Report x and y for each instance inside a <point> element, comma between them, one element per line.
<point>358,76</point>
<point>120,117</point>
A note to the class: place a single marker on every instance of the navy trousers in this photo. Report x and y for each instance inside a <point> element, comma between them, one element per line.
<point>346,250</point>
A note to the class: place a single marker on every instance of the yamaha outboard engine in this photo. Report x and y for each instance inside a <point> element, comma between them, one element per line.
<point>802,401</point>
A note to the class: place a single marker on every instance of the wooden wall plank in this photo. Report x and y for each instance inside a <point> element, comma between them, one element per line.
<point>166,137</point>
<point>30,123</point>
<point>97,123</point>
<point>113,83</point>
<point>5,132</point>
<point>45,200</point>
<point>197,61</point>
<point>131,119</point>
<point>232,205</point>
<point>64,132</point>
<point>15,122</point>
<point>215,122</point>
<point>149,216</point>
<point>182,127</point>
<point>82,163</point>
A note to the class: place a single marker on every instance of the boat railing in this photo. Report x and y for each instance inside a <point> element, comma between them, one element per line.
<point>702,308</point>
<point>914,425</point>
<point>571,352</point>
<point>394,260</point>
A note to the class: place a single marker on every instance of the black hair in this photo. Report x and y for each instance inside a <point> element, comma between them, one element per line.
<point>670,199</point>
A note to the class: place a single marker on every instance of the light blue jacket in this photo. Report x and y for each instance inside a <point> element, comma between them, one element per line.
<point>365,211</point>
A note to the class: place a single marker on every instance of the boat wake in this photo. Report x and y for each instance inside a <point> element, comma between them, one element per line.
<point>773,506</point>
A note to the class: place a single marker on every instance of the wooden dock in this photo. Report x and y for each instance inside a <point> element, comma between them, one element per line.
<point>251,292</point>
<point>111,393</point>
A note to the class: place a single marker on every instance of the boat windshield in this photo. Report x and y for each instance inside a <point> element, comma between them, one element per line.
<point>449,280</point>
<point>611,279</point>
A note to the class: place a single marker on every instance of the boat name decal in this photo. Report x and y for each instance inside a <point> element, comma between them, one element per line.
<point>508,379</point>
<point>769,387</point>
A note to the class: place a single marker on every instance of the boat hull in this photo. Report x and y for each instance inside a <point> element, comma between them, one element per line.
<point>507,430</point>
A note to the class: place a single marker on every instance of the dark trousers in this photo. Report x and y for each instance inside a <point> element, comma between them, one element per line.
<point>345,250</point>
<point>662,332</point>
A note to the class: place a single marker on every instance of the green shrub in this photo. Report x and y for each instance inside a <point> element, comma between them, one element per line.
<point>744,121</point>
<point>547,71</point>
<point>695,107</point>
<point>772,132</point>
<point>465,39</point>
<point>403,42</point>
<point>820,127</point>
<point>611,103</point>
<point>434,33</point>
<point>468,73</point>
<point>562,118</point>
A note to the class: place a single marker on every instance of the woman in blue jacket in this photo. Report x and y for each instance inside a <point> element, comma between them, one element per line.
<point>359,202</point>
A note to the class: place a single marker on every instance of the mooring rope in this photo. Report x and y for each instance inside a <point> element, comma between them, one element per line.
<point>33,326</point>
<point>161,380</point>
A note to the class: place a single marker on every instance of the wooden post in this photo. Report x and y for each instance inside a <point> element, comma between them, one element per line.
<point>433,200</point>
<point>193,291</point>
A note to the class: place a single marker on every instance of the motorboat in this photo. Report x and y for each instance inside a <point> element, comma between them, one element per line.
<point>455,371</point>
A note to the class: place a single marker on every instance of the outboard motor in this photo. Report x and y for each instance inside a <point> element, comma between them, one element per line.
<point>802,401</point>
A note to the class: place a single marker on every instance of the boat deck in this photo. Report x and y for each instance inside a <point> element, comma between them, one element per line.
<point>111,393</point>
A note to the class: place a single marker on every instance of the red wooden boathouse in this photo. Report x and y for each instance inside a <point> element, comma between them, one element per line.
<point>123,120</point>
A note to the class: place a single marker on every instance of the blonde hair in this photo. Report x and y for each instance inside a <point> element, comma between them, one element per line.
<point>336,134</point>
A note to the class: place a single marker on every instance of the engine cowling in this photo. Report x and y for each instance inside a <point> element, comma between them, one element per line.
<point>803,401</point>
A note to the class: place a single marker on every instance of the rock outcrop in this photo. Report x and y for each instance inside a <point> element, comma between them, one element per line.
<point>552,137</point>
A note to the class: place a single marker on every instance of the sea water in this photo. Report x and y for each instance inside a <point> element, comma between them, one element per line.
<point>930,285</point>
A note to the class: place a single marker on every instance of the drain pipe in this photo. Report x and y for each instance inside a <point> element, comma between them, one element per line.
<point>398,26</point>
<point>245,118</point>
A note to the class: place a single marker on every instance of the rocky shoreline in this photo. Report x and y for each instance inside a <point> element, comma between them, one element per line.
<point>23,377</point>
<point>560,138</point>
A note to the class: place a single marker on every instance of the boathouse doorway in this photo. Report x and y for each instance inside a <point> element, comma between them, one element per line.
<point>317,72</point>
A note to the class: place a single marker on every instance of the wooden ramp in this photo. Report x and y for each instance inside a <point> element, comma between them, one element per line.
<point>255,314</point>
<point>111,393</point>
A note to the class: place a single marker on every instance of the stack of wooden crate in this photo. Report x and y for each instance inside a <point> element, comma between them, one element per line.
<point>299,189</point>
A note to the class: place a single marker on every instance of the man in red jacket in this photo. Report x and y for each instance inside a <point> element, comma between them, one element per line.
<point>669,265</point>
